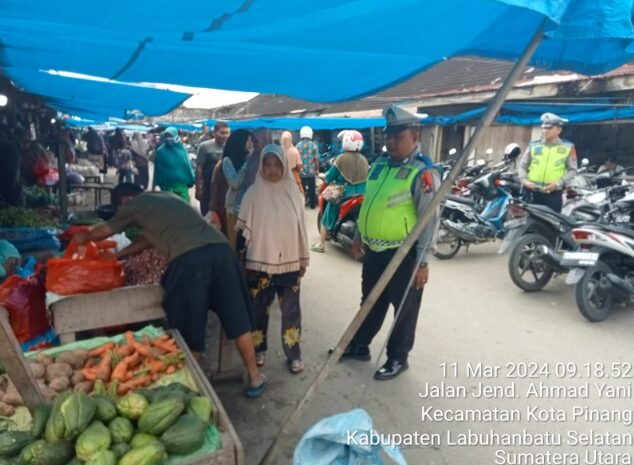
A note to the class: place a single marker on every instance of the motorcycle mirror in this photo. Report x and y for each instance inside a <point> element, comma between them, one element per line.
<point>489,151</point>
<point>453,151</point>
<point>481,162</point>
<point>585,162</point>
<point>384,149</point>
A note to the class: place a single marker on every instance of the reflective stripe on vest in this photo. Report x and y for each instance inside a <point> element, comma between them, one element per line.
<point>388,212</point>
<point>548,163</point>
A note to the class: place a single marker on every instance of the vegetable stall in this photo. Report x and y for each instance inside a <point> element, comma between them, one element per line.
<point>134,398</point>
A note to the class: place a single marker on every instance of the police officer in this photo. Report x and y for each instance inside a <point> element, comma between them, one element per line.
<point>399,189</point>
<point>547,165</point>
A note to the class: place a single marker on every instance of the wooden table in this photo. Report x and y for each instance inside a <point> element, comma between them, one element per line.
<point>124,306</point>
<point>97,187</point>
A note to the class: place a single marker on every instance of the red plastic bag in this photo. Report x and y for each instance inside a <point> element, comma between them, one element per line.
<point>67,276</point>
<point>25,300</point>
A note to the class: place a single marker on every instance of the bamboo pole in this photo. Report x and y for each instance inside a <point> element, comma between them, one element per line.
<point>402,252</point>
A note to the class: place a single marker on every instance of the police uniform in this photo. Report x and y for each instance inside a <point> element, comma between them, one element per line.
<point>397,192</point>
<point>544,164</point>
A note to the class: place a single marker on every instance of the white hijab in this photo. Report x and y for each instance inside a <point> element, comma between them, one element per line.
<point>272,221</point>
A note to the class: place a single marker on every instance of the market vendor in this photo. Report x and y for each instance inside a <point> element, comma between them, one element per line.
<point>202,270</point>
<point>10,259</point>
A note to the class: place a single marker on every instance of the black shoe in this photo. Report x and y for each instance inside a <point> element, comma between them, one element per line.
<point>355,353</point>
<point>391,369</point>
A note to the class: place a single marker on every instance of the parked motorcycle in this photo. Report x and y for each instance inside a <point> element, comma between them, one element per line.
<point>464,222</point>
<point>345,229</point>
<point>603,268</point>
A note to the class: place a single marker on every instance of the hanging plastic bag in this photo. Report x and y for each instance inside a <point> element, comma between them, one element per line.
<point>24,299</point>
<point>345,439</point>
<point>85,269</point>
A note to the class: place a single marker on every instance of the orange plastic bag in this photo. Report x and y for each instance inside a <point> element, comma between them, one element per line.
<point>83,270</point>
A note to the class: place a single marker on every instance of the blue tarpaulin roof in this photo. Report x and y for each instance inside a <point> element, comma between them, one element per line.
<point>325,51</point>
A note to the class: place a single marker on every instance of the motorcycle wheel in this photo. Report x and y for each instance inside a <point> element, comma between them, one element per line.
<point>447,245</point>
<point>523,261</point>
<point>595,306</point>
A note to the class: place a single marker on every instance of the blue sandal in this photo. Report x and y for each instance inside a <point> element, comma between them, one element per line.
<point>254,392</point>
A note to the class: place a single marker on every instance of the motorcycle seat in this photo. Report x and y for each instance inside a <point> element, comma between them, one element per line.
<point>619,230</point>
<point>564,219</point>
<point>464,200</point>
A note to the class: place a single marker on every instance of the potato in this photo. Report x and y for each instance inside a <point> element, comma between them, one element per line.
<point>48,393</point>
<point>38,370</point>
<point>72,359</point>
<point>44,359</point>
<point>56,370</point>
<point>86,386</point>
<point>12,396</point>
<point>59,384</point>
<point>6,410</point>
<point>83,355</point>
<point>77,378</point>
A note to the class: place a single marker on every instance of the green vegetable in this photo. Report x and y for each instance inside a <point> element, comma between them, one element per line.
<point>78,411</point>
<point>143,439</point>
<point>120,449</point>
<point>171,391</point>
<point>12,443</point>
<point>55,426</point>
<point>132,406</point>
<point>201,407</point>
<point>27,456</point>
<point>40,417</point>
<point>55,453</point>
<point>104,457</point>
<point>15,217</point>
<point>106,409</point>
<point>75,461</point>
<point>150,454</point>
<point>96,438</point>
<point>121,430</point>
<point>185,436</point>
<point>6,424</point>
<point>159,416</point>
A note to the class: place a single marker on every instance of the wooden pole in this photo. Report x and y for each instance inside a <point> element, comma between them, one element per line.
<point>63,179</point>
<point>16,364</point>
<point>402,252</point>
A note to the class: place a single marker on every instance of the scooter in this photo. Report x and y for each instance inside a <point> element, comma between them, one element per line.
<point>345,229</point>
<point>463,222</point>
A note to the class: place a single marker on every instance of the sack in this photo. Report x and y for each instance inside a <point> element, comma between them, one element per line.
<point>83,270</point>
<point>333,193</point>
<point>25,300</point>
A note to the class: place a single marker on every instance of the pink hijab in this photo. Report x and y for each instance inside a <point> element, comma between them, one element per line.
<point>272,221</point>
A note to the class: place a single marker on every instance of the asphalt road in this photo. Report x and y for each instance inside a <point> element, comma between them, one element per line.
<point>472,314</point>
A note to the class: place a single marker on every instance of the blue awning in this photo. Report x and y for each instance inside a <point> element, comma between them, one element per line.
<point>322,51</point>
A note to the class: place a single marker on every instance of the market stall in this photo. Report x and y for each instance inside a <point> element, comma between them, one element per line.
<point>133,397</point>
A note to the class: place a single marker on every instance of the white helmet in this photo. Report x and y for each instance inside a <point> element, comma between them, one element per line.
<point>351,140</point>
<point>512,151</point>
<point>306,132</point>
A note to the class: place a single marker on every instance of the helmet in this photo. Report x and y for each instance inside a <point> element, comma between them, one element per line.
<point>306,132</point>
<point>512,151</point>
<point>351,141</point>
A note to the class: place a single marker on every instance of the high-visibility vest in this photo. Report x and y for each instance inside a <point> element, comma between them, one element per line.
<point>548,162</point>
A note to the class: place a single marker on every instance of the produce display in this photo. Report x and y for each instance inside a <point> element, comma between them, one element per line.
<point>145,268</point>
<point>16,217</point>
<point>115,410</point>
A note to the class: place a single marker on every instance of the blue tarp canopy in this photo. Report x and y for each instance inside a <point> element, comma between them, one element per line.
<point>295,124</point>
<point>322,51</point>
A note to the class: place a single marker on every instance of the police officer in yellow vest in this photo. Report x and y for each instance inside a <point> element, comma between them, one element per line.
<point>548,165</point>
<point>399,189</point>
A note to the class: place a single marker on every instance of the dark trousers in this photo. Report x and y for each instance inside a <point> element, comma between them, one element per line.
<point>553,200</point>
<point>125,176</point>
<point>310,190</point>
<point>402,338</point>
<point>142,179</point>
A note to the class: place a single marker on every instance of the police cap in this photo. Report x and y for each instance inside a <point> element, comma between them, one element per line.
<point>398,119</point>
<point>551,119</point>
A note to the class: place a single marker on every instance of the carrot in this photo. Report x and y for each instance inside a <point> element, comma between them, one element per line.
<point>144,350</point>
<point>167,346</point>
<point>155,366</point>
<point>96,352</point>
<point>129,337</point>
<point>120,371</point>
<point>180,365</point>
<point>90,363</point>
<point>125,350</point>
<point>104,368</point>
<point>133,359</point>
<point>89,373</point>
<point>170,369</point>
<point>164,337</point>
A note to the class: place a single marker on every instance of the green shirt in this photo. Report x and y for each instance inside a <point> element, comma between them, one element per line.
<point>167,222</point>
